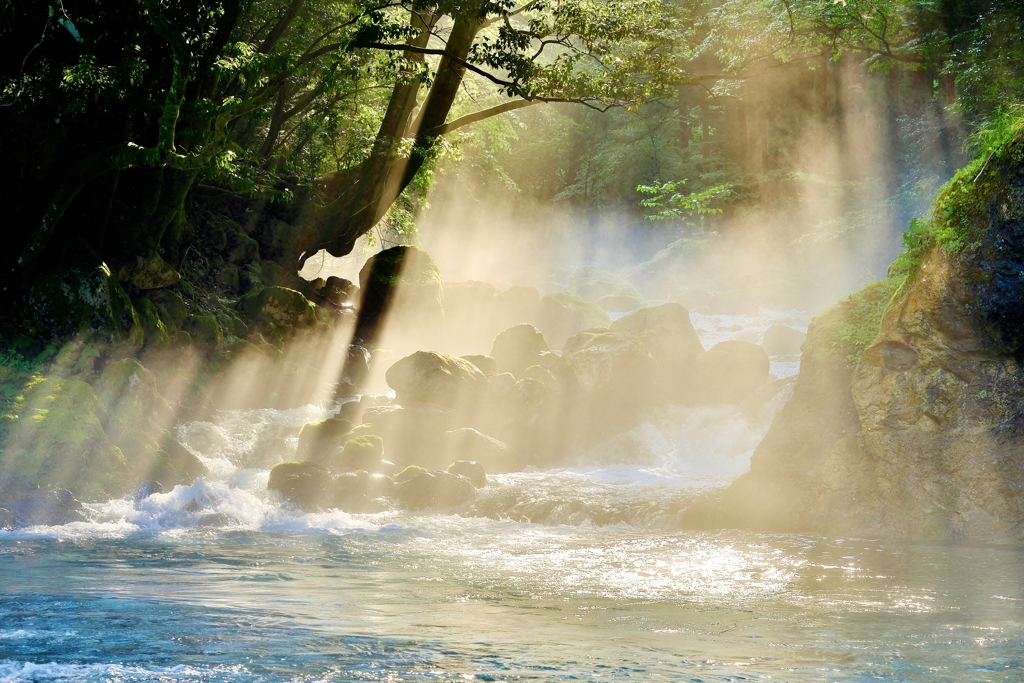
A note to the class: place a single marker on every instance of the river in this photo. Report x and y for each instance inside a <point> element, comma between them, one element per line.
<point>575,573</point>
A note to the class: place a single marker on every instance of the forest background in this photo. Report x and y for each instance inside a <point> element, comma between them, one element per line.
<point>216,146</point>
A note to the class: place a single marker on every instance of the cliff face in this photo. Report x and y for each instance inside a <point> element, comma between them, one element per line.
<point>922,436</point>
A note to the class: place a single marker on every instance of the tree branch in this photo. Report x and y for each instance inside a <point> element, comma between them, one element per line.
<point>442,53</point>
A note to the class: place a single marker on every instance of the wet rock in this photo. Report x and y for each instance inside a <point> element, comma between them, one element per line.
<point>542,373</point>
<point>471,445</point>
<point>361,491</point>
<point>303,483</point>
<point>171,307</point>
<point>144,491</point>
<point>410,472</point>
<point>519,304</point>
<point>7,521</point>
<point>47,507</point>
<point>149,272</point>
<point>520,347</point>
<point>434,377</point>
<point>729,372</point>
<point>317,439</point>
<point>438,489</point>
<point>473,471</point>
<point>500,384</point>
<point>173,464</point>
<point>338,291</point>
<point>286,309</point>
<point>780,340</point>
<point>362,453</point>
<point>563,314</point>
<point>484,364</point>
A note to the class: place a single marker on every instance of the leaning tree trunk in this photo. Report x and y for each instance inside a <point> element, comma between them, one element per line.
<point>359,200</point>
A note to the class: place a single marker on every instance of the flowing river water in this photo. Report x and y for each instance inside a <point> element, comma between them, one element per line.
<point>577,573</point>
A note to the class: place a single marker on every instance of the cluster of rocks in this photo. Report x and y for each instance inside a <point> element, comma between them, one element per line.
<point>524,404</point>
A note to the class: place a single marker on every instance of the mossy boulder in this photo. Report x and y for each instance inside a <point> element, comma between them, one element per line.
<point>149,272</point>
<point>57,439</point>
<point>286,309</point>
<point>361,453</point>
<point>318,439</point>
<point>438,489</point>
<point>591,284</point>
<point>622,300</point>
<point>81,299</point>
<point>401,286</point>
<point>434,377</point>
<point>171,306</point>
<point>155,330</point>
<point>563,314</point>
<point>204,330</point>
<point>473,471</point>
<point>302,483</point>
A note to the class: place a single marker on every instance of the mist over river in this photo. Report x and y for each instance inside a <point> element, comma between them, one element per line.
<point>575,573</point>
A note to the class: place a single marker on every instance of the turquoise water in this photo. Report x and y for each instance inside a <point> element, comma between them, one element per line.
<point>579,573</point>
<point>448,598</point>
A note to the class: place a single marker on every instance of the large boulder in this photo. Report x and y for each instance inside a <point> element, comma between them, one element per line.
<point>434,377</point>
<point>320,438</point>
<point>729,372</point>
<point>364,452</point>
<point>83,299</point>
<point>563,314</point>
<point>413,434</point>
<point>780,340</point>
<point>57,439</point>
<point>285,309</point>
<point>361,491</point>
<point>473,471</point>
<point>400,286</point>
<point>807,472</point>
<point>668,336</point>
<point>519,348</point>
<point>302,483</point>
<point>439,489</point>
<point>612,367</point>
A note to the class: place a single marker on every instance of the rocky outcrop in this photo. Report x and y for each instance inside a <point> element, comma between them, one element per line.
<point>907,418</point>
